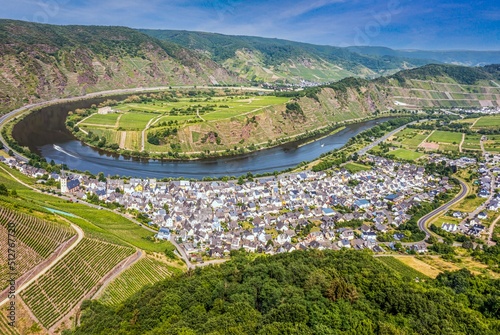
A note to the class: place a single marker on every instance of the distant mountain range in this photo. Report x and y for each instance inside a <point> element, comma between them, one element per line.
<point>40,61</point>
<point>268,59</point>
<point>458,57</point>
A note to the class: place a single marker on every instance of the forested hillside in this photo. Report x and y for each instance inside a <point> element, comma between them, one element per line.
<point>270,59</point>
<point>39,61</point>
<point>313,292</point>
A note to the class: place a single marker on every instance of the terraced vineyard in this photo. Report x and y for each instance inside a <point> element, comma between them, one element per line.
<point>5,328</point>
<point>401,268</point>
<point>55,293</point>
<point>36,240</point>
<point>145,271</point>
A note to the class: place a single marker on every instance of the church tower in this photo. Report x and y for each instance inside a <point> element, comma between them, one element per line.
<point>64,184</point>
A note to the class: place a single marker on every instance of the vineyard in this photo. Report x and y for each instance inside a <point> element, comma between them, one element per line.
<point>55,293</point>
<point>145,271</point>
<point>36,240</point>
<point>401,268</point>
<point>5,328</point>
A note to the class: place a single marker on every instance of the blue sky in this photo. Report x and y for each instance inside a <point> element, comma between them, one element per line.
<point>394,23</point>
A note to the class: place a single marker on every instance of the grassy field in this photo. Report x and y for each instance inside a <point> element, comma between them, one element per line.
<point>401,268</point>
<point>488,122</point>
<point>440,136</point>
<point>136,120</point>
<point>145,271</point>
<point>419,266</point>
<point>405,154</point>
<point>356,167</point>
<point>105,120</point>
<point>411,138</point>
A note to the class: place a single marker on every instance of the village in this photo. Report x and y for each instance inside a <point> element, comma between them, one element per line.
<point>321,210</point>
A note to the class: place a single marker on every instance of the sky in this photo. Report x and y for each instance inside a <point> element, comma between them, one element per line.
<point>401,24</point>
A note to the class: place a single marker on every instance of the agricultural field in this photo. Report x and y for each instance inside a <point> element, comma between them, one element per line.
<point>144,272</point>
<point>136,120</point>
<point>57,291</point>
<point>492,143</point>
<point>466,121</point>
<point>410,138</point>
<point>449,137</point>
<point>5,328</point>
<point>102,120</point>
<point>405,154</point>
<point>133,118</point>
<point>487,122</point>
<point>418,265</point>
<point>36,240</point>
<point>472,142</point>
<point>401,268</point>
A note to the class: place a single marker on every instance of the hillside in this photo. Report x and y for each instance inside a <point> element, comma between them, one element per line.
<point>462,57</point>
<point>222,122</point>
<point>39,61</point>
<point>311,292</point>
<point>267,59</point>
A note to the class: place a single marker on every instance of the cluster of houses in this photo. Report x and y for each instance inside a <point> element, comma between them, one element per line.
<point>488,182</point>
<point>273,214</point>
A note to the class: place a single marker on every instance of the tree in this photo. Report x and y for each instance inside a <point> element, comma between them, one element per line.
<point>3,190</point>
<point>101,177</point>
<point>468,245</point>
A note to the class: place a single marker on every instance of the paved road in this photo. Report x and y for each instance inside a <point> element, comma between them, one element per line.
<point>422,223</point>
<point>382,139</point>
<point>182,253</point>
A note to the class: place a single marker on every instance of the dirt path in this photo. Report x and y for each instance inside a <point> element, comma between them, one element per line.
<point>491,229</point>
<point>481,143</point>
<point>461,142</point>
<point>143,136</point>
<point>117,123</point>
<point>472,125</point>
<point>123,137</point>
<point>198,114</point>
<point>425,139</point>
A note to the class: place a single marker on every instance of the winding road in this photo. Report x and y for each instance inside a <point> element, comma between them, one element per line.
<point>424,220</point>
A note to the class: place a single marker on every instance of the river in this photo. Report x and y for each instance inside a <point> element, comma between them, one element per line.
<point>44,132</point>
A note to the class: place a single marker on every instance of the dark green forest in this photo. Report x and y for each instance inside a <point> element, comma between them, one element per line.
<point>304,292</point>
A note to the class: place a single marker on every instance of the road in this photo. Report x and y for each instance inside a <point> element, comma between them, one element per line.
<point>182,253</point>
<point>422,223</point>
<point>382,139</point>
